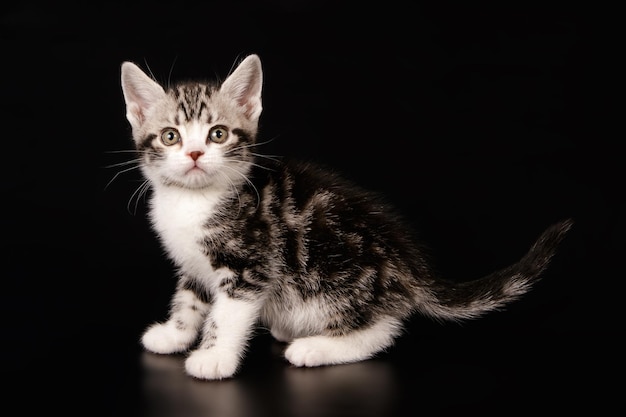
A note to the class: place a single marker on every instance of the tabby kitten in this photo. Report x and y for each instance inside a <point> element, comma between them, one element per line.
<point>328,267</point>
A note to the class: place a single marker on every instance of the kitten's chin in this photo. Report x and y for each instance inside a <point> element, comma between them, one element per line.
<point>194,179</point>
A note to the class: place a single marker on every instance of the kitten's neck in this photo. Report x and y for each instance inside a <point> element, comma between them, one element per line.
<point>173,196</point>
<point>174,208</point>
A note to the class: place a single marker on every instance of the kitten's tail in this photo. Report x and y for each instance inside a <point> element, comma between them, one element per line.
<point>466,300</point>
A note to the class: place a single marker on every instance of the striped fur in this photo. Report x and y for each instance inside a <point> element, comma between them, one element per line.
<point>328,267</point>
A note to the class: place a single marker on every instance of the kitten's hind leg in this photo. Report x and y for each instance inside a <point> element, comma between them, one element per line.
<point>355,346</point>
<point>181,330</point>
<point>280,335</point>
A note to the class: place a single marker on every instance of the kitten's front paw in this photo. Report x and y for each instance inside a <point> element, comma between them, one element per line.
<point>211,364</point>
<point>166,338</point>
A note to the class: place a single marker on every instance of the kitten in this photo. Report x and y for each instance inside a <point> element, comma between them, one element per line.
<point>328,267</point>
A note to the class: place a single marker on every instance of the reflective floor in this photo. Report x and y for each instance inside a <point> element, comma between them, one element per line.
<point>451,372</point>
<point>487,369</point>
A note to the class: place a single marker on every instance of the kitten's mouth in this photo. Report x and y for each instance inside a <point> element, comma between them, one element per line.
<point>196,177</point>
<point>192,178</point>
<point>195,170</point>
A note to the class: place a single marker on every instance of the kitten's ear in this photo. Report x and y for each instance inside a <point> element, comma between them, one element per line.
<point>140,93</point>
<point>244,86</point>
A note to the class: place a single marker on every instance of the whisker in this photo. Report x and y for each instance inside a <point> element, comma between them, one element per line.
<point>119,173</point>
<point>144,193</point>
<point>250,145</point>
<point>275,158</point>
<point>267,141</point>
<point>132,151</point>
<point>125,151</point>
<point>234,187</point>
<point>139,192</point>
<point>149,70</point>
<point>250,163</point>
<point>169,75</point>
<point>246,179</point>
<point>120,164</point>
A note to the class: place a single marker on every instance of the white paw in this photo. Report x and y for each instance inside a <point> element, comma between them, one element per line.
<point>211,364</point>
<point>311,351</point>
<point>166,338</point>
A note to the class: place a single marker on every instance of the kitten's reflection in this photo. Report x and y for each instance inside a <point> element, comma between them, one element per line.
<point>169,391</point>
<point>362,389</point>
<point>359,389</point>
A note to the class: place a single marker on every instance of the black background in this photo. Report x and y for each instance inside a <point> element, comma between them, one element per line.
<point>483,124</point>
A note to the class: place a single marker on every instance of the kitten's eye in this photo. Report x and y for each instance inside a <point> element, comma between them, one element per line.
<point>170,136</point>
<point>218,134</point>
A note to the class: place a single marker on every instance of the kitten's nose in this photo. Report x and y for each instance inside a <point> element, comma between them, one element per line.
<point>195,155</point>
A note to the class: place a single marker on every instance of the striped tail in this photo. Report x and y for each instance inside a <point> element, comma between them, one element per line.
<point>467,300</point>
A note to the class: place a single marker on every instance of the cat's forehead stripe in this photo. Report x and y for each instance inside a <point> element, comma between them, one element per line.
<point>192,101</point>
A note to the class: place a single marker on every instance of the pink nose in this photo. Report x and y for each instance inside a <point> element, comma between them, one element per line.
<point>195,155</point>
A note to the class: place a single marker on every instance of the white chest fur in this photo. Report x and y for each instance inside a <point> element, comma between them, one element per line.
<point>179,217</point>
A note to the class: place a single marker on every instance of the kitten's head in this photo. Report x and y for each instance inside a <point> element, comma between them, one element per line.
<point>195,135</point>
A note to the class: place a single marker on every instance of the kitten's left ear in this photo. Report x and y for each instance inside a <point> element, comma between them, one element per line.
<point>244,86</point>
<point>140,92</point>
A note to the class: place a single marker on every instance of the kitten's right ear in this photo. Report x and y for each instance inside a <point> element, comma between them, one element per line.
<point>140,93</point>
